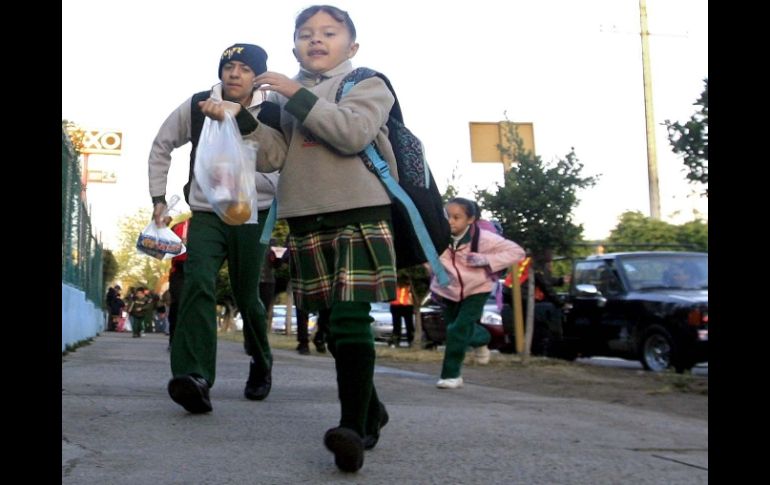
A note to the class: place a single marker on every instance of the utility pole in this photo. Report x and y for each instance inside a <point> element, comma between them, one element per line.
<point>652,160</point>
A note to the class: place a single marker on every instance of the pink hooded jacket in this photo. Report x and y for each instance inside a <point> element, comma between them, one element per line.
<point>468,280</point>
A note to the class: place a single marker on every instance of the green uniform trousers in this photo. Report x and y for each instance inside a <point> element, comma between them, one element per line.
<point>462,331</point>
<point>209,242</point>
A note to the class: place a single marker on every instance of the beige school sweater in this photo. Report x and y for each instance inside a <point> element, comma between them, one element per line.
<point>317,148</point>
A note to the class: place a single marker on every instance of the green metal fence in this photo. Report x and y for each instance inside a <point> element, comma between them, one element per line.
<point>81,252</point>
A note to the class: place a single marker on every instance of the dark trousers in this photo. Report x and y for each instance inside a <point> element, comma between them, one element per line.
<point>405,312</point>
<point>322,326</point>
<point>321,329</point>
<point>302,334</point>
<point>267,294</point>
<point>175,285</point>
<point>210,242</point>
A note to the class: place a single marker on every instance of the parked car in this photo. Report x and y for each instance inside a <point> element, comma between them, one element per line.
<point>651,306</point>
<point>278,324</point>
<point>382,326</point>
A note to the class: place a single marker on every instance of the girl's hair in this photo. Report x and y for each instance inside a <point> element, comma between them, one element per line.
<point>470,207</point>
<point>336,13</point>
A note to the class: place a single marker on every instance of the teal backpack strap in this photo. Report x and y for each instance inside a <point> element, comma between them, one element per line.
<point>383,170</point>
<point>267,229</point>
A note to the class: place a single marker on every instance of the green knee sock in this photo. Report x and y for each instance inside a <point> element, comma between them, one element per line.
<point>355,369</point>
<point>373,414</point>
<point>352,345</point>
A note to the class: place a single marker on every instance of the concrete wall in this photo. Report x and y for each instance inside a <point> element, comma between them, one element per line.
<point>80,318</point>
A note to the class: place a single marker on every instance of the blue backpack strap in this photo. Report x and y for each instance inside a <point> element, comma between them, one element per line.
<point>383,170</point>
<point>267,229</point>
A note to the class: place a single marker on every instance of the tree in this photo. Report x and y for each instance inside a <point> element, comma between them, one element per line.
<point>135,268</point>
<point>451,185</point>
<point>636,228</point>
<point>694,233</point>
<point>691,140</point>
<point>535,205</point>
<point>109,266</point>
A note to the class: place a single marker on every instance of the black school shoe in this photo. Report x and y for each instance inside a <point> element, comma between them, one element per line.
<point>258,384</point>
<point>191,392</point>
<point>348,448</point>
<point>320,346</point>
<point>303,349</point>
<point>370,440</point>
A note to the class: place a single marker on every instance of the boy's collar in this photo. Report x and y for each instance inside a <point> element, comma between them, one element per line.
<point>342,68</point>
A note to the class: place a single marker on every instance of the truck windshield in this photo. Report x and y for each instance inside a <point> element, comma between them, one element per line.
<point>683,272</point>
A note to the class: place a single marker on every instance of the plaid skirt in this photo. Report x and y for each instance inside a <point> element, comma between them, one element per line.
<point>350,263</point>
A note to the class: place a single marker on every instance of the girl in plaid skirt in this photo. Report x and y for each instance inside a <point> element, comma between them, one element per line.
<point>342,255</point>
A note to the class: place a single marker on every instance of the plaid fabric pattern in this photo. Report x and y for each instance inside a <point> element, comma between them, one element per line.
<point>350,263</point>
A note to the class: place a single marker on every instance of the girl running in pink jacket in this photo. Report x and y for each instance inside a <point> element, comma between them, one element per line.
<point>471,283</point>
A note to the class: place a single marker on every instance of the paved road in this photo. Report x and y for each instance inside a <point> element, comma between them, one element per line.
<point>120,427</point>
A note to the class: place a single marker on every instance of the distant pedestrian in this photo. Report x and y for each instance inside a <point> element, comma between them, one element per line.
<point>138,310</point>
<point>115,305</point>
<point>402,308</point>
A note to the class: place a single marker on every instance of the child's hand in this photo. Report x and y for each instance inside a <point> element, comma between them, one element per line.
<point>273,81</point>
<point>476,260</point>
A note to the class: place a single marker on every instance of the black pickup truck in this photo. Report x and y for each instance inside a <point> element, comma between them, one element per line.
<point>651,306</point>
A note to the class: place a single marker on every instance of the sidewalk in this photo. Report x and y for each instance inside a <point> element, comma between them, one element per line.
<point>120,427</point>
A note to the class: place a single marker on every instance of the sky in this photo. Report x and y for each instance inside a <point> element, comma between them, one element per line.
<point>573,69</point>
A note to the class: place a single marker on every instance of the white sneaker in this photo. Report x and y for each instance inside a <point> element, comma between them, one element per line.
<point>482,355</point>
<point>450,383</point>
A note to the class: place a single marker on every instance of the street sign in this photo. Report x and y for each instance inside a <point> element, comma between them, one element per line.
<point>102,176</point>
<point>486,136</point>
<point>104,142</point>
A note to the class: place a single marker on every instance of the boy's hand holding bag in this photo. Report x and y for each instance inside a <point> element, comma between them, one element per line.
<point>225,168</point>
<point>160,242</point>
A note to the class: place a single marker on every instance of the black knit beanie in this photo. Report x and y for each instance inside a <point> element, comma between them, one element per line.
<point>252,55</point>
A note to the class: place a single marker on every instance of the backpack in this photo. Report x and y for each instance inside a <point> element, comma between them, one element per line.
<point>485,225</point>
<point>420,226</point>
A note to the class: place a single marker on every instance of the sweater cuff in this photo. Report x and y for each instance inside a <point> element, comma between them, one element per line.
<point>159,199</point>
<point>246,122</point>
<point>301,103</point>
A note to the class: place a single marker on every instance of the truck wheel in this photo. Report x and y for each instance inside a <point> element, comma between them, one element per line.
<point>657,349</point>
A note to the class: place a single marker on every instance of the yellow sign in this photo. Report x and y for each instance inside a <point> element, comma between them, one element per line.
<point>102,176</point>
<point>104,142</point>
<point>486,136</point>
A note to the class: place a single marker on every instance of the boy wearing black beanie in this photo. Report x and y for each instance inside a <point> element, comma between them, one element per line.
<point>210,240</point>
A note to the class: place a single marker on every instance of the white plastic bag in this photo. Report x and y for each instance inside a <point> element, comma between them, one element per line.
<point>160,242</point>
<point>225,169</point>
